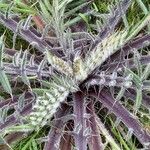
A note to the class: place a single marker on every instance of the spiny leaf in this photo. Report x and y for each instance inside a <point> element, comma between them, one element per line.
<point>5,82</point>
<point>21,101</point>
<point>3,114</point>
<point>41,66</point>
<point>16,58</point>
<point>138,101</point>
<point>120,93</point>
<point>136,78</point>
<point>138,63</point>
<point>1,50</point>
<point>32,61</point>
<point>23,67</point>
<point>146,72</point>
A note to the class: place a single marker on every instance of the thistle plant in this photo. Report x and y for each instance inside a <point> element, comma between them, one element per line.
<point>81,83</point>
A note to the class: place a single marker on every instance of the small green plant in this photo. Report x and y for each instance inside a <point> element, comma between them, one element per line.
<point>69,89</point>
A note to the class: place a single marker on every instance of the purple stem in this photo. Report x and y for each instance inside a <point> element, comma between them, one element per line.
<point>11,52</point>
<point>106,80</point>
<point>12,119</point>
<point>129,63</point>
<point>30,71</point>
<point>30,35</point>
<point>95,141</point>
<point>10,102</point>
<point>96,80</point>
<point>26,34</point>
<point>121,112</point>
<point>79,121</point>
<point>54,135</point>
<point>67,140</point>
<point>113,20</point>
